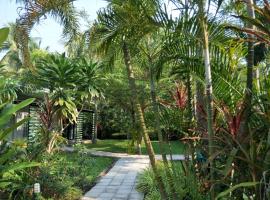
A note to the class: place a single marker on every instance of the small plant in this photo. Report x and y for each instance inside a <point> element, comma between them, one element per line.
<point>188,186</point>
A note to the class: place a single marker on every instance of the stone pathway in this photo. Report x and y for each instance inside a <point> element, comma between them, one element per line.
<point>125,155</point>
<point>120,182</point>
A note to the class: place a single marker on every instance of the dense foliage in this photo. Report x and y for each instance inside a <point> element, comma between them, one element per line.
<point>195,71</point>
<point>188,187</point>
<point>69,175</point>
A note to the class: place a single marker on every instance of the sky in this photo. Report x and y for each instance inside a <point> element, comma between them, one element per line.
<point>49,31</point>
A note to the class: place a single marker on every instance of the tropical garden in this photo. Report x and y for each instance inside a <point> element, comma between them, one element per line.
<point>160,77</point>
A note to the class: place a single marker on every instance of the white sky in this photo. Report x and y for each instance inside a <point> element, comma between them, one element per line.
<point>48,30</point>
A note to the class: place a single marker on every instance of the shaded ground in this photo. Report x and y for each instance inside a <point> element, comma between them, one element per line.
<point>121,146</point>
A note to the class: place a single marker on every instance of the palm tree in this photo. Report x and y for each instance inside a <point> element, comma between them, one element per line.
<point>12,60</point>
<point>189,49</point>
<point>12,54</point>
<point>250,64</point>
<point>34,11</point>
<point>78,46</point>
<point>150,57</point>
<point>208,86</point>
<point>117,29</point>
<point>89,88</point>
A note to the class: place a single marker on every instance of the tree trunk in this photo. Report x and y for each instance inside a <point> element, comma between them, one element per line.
<point>258,79</point>
<point>22,40</point>
<point>160,137</point>
<point>132,116</point>
<point>209,98</point>
<point>249,84</point>
<point>146,138</point>
<point>134,126</point>
<point>200,108</point>
<point>94,130</point>
<point>189,101</point>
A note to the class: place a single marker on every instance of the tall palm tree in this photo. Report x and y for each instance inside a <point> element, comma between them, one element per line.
<point>12,59</point>
<point>250,65</point>
<point>117,29</point>
<point>33,11</point>
<point>190,46</point>
<point>77,46</point>
<point>151,59</point>
<point>208,86</point>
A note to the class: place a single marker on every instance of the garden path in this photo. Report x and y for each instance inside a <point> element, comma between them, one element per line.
<point>125,155</point>
<point>120,182</point>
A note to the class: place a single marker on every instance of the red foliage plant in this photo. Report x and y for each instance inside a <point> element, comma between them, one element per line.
<point>180,96</point>
<point>233,119</point>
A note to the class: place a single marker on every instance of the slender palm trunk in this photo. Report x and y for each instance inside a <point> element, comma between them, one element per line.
<point>189,100</point>
<point>94,128</point>
<point>258,79</point>
<point>132,115</point>
<point>133,121</point>
<point>249,84</point>
<point>160,137</point>
<point>209,98</point>
<point>199,107</point>
<point>138,108</point>
<point>22,40</point>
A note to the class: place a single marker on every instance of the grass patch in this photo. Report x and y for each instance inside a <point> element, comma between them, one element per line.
<point>121,146</point>
<point>176,147</point>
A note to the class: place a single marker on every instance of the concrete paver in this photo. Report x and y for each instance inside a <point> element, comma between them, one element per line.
<point>120,182</point>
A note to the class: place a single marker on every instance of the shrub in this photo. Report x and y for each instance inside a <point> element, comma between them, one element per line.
<point>187,186</point>
<point>62,176</point>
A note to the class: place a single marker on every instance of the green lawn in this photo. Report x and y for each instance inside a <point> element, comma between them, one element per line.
<point>121,146</point>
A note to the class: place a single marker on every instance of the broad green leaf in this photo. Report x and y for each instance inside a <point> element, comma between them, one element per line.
<point>5,183</point>
<point>3,35</point>
<point>3,105</point>
<point>7,155</point>
<point>10,110</point>
<point>245,184</point>
<point>12,128</point>
<point>18,166</point>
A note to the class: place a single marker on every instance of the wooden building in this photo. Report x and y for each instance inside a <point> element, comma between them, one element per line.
<point>74,133</point>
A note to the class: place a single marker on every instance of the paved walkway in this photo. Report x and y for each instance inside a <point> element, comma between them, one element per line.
<point>120,182</point>
<point>125,155</point>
